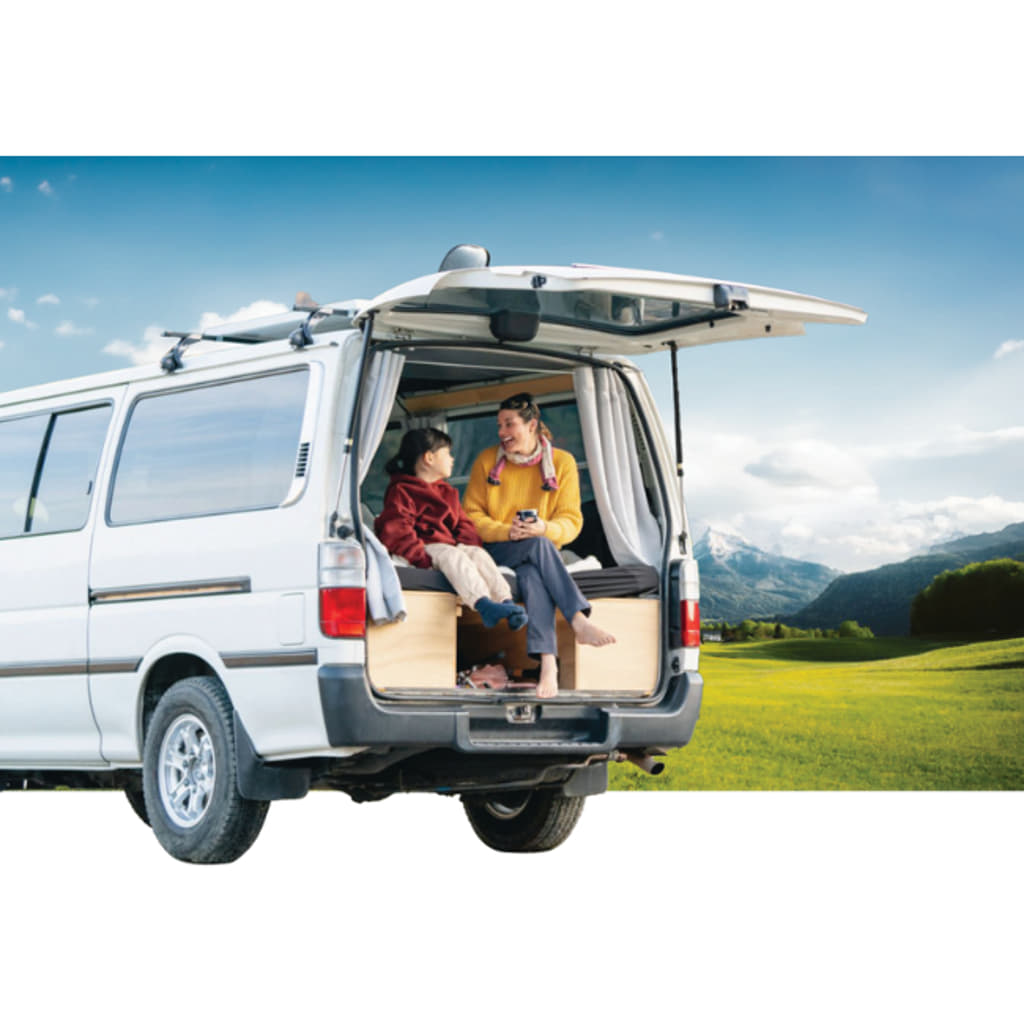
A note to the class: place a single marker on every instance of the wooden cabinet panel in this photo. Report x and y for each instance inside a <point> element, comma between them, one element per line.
<point>418,653</point>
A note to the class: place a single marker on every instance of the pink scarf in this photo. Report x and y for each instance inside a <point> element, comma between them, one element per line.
<point>541,454</point>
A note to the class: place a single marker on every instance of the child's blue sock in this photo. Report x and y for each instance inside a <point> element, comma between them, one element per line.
<point>492,612</point>
<point>517,617</point>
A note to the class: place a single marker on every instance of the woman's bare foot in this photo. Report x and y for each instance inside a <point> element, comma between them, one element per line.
<point>587,633</point>
<point>547,685</point>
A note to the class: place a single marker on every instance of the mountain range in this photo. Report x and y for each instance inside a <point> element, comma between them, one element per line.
<point>881,598</point>
<point>739,581</point>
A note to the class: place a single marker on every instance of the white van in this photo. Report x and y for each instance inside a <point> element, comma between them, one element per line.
<point>195,610</point>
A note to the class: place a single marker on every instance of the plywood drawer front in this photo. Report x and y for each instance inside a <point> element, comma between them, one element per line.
<point>419,652</point>
<point>631,663</point>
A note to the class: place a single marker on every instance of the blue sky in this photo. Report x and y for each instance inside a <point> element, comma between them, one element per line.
<point>850,446</point>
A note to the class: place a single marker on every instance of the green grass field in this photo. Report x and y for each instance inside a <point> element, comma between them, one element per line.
<point>883,714</point>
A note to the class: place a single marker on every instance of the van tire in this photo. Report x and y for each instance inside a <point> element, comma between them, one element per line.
<point>190,751</point>
<point>137,798</point>
<point>527,821</point>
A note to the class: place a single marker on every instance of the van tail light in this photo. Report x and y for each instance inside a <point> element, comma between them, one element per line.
<point>342,582</point>
<point>689,612</point>
<point>684,593</point>
<point>343,611</point>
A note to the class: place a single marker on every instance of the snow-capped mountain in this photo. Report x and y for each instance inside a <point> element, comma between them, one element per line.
<point>740,581</point>
<point>717,544</point>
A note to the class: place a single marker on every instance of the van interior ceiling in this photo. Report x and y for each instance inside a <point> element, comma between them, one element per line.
<point>457,389</point>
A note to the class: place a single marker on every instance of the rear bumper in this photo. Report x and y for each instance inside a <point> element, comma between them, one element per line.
<point>355,716</point>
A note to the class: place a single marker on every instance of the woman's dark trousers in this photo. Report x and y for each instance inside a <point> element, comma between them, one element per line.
<point>544,585</point>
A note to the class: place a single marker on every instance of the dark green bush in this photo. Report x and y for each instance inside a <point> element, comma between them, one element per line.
<point>981,598</point>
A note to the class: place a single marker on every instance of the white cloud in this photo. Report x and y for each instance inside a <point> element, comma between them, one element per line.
<point>90,302</point>
<point>901,529</point>
<point>8,294</point>
<point>49,299</point>
<point>657,236</point>
<point>1,344</point>
<point>152,349</point>
<point>814,500</point>
<point>812,465</point>
<point>797,531</point>
<point>46,188</point>
<point>255,310</point>
<point>6,184</point>
<point>66,329</point>
<point>18,316</point>
<point>950,441</point>
<point>1008,347</point>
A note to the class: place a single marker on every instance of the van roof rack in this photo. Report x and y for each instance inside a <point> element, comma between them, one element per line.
<point>298,326</point>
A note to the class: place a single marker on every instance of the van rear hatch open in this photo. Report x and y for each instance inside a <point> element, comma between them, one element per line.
<point>604,310</point>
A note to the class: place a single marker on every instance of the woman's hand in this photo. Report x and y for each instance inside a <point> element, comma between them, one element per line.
<point>522,529</point>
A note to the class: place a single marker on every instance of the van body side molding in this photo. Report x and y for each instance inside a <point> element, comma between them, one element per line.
<point>70,668</point>
<point>269,659</point>
<point>162,591</point>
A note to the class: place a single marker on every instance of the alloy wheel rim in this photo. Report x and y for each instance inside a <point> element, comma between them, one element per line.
<point>187,770</point>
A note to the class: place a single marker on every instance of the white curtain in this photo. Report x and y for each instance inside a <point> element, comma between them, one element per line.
<point>384,602</point>
<point>629,525</point>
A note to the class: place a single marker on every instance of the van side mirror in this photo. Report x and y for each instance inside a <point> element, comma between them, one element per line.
<point>465,257</point>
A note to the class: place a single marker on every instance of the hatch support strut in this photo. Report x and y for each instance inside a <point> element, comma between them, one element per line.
<point>674,349</point>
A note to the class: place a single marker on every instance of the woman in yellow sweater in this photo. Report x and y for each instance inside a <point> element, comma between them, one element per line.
<point>524,499</point>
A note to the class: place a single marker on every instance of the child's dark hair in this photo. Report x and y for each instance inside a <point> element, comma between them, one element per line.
<point>415,443</point>
<point>527,408</point>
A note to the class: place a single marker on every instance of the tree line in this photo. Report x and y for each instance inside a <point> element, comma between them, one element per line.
<point>753,629</point>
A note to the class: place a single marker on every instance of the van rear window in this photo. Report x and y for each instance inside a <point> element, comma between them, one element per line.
<point>20,443</point>
<point>48,470</point>
<point>226,447</point>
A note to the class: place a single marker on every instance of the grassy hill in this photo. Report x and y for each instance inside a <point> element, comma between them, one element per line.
<point>888,714</point>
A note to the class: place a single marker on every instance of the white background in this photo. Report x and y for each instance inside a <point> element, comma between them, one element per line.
<point>727,907</point>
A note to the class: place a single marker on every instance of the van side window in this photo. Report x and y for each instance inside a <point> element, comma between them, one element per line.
<point>68,478</point>
<point>48,470</point>
<point>21,441</point>
<point>227,447</point>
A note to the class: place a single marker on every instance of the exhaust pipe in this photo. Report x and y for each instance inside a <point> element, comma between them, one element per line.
<point>646,763</point>
<point>643,761</point>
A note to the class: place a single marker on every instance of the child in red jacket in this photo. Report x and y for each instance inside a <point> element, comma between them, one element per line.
<point>423,521</point>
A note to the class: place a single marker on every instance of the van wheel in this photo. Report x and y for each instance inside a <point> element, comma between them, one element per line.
<point>527,821</point>
<point>190,776</point>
